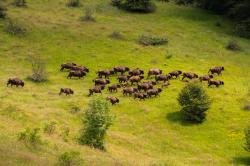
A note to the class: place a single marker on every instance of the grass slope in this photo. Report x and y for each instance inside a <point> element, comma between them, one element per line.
<point>144,133</point>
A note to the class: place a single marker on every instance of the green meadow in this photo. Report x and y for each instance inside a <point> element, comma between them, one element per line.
<point>148,132</point>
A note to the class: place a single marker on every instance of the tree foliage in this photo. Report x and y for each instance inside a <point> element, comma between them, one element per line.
<point>247,135</point>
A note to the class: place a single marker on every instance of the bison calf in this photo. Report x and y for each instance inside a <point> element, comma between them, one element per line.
<point>217,83</point>
<point>15,81</point>
<point>113,100</point>
<point>66,91</point>
<point>96,89</point>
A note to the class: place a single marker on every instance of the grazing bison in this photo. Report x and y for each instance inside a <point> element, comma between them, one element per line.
<point>121,69</point>
<point>175,73</point>
<point>154,72</point>
<point>113,100</point>
<point>216,83</point>
<point>67,91</point>
<point>96,89</point>
<point>80,68</point>
<point>15,81</point>
<point>136,79</point>
<point>67,66</point>
<point>105,73</point>
<point>216,70</point>
<point>154,92</point>
<point>206,77</point>
<point>189,75</point>
<point>145,86</point>
<point>136,72</point>
<point>162,77</point>
<point>150,82</point>
<point>113,88</point>
<point>101,81</point>
<point>140,95</point>
<point>123,78</point>
<point>129,90</point>
<point>77,73</point>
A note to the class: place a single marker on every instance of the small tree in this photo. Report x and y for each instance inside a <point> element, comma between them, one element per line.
<point>71,158</point>
<point>141,6</point>
<point>73,3</point>
<point>97,120</point>
<point>194,102</point>
<point>38,67</point>
<point>247,135</point>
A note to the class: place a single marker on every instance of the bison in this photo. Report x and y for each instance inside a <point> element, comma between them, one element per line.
<point>129,90</point>
<point>67,91</point>
<point>101,81</point>
<point>154,72</point>
<point>121,69</point>
<point>15,81</point>
<point>136,72</point>
<point>67,66</point>
<point>105,73</point>
<point>216,70</point>
<point>154,92</point>
<point>175,73</point>
<point>113,100</point>
<point>80,68</point>
<point>162,77</point>
<point>189,75</point>
<point>145,86</point>
<point>96,89</point>
<point>140,95</point>
<point>123,78</point>
<point>206,77</point>
<point>77,73</point>
<point>136,79</point>
<point>217,83</point>
<point>113,88</point>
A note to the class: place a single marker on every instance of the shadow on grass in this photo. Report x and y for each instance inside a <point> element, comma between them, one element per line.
<point>177,117</point>
<point>241,160</point>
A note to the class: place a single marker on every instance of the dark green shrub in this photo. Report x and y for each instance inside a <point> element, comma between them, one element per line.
<point>152,40</point>
<point>117,3</point>
<point>184,2</point>
<point>20,3</point>
<point>73,3</point>
<point>233,46</point>
<point>2,11</point>
<point>38,67</point>
<point>71,158</point>
<point>242,28</point>
<point>65,134</point>
<point>49,127</point>
<point>14,28</point>
<point>140,6</point>
<point>97,121</point>
<point>75,109</point>
<point>89,15</point>
<point>30,137</point>
<point>194,103</point>
<point>247,136</point>
<point>116,35</point>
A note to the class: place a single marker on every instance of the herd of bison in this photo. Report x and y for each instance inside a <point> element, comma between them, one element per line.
<point>127,79</point>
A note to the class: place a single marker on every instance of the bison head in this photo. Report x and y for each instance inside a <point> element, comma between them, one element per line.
<point>159,90</point>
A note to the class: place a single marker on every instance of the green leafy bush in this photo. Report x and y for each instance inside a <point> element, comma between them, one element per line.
<point>30,137</point>
<point>73,3</point>
<point>97,121</point>
<point>242,28</point>
<point>71,158</point>
<point>14,28</point>
<point>89,15</point>
<point>247,135</point>
<point>194,102</point>
<point>20,3</point>
<point>140,6</point>
<point>152,40</point>
<point>116,35</point>
<point>233,46</point>
<point>49,127</point>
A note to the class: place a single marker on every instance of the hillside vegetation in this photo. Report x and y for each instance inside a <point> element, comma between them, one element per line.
<point>146,132</point>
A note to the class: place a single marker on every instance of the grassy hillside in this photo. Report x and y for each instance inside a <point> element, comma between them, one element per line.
<point>144,132</point>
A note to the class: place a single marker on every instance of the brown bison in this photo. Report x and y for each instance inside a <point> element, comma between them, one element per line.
<point>113,100</point>
<point>80,68</point>
<point>123,78</point>
<point>121,69</point>
<point>154,72</point>
<point>175,73</point>
<point>96,89</point>
<point>162,77</point>
<point>113,88</point>
<point>206,77</point>
<point>101,81</point>
<point>105,73</point>
<point>129,90</point>
<point>77,73</point>
<point>67,91</point>
<point>136,72</point>
<point>67,66</point>
<point>216,70</point>
<point>154,92</point>
<point>150,82</point>
<point>135,79</point>
<point>216,83</point>
<point>145,86</point>
<point>189,75</point>
<point>15,81</point>
<point>140,95</point>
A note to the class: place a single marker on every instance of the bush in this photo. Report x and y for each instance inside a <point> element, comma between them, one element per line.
<point>49,127</point>
<point>233,46</point>
<point>141,6</point>
<point>152,40</point>
<point>73,3</point>
<point>247,136</point>
<point>71,158</point>
<point>117,3</point>
<point>65,134</point>
<point>116,35</point>
<point>30,137</point>
<point>20,3</point>
<point>89,15</point>
<point>14,28</point>
<point>2,12</point>
<point>194,102</point>
<point>38,67</point>
<point>243,28</point>
<point>97,120</point>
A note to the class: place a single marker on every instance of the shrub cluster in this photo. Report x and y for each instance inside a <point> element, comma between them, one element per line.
<point>14,28</point>
<point>89,15</point>
<point>49,127</point>
<point>194,102</point>
<point>247,135</point>
<point>20,3</point>
<point>71,158</point>
<point>97,121</point>
<point>38,67</point>
<point>116,35</point>
<point>73,3</point>
<point>30,137</point>
<point>140,6</point>
<point>2,12</point>
<point>152,40</point>
<point>233,46</point>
